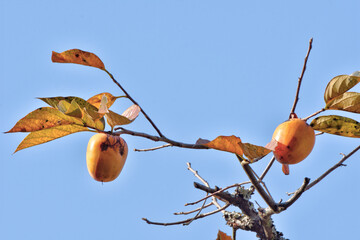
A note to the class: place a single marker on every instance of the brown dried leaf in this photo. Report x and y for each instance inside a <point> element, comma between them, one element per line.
<point>224,143</point>
<point>96,100</point>
<point>222,236</point>
<point>78,56</point>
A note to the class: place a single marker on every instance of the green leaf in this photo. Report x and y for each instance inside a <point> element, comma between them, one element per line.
<point>46,135</point>
<point>337,125</point>
<point>349,101</point>
<point>339,85</point>
<point>43,118</point>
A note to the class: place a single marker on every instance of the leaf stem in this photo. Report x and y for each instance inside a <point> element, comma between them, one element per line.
<point>314,114</point>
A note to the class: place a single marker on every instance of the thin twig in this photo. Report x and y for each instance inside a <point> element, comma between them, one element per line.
<point>267,168</point>
<point>133,100</point>
<point>300,78</point>
<point>217,192</point>
<point>314,114</point>
<point>187,220</point>
<point>292,200</point>
<point>214,201</point>
<point>340,163</point>
<point>196,174</point>
<point>198,213</point>
<point>195,210</point>
<point>152,149</point>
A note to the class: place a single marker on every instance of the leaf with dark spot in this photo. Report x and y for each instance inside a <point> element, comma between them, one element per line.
<point>78,56</point>
<point>337,125</point>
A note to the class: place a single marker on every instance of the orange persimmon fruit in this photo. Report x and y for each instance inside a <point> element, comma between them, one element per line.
<point>294,141</point>
<point>105,156</point>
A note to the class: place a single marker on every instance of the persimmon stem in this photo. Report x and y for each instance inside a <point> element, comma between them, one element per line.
<point>300,79</point>
<point>133,100</point>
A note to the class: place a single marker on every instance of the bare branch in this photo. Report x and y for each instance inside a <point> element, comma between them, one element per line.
<point>219,191</point>
<point>152,149</point>
<point>133,100</point>
<point>249,172</point>
<point>267,168</point>
<point>187,220</point>
<point>196,174</point>
<point>296,196</point>
<point>300,78</point>
<point>340,163</point>
<point>214,201</point>
<point>195,210</point>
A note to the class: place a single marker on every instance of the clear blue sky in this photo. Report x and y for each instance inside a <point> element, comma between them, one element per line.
<point>200,69</point>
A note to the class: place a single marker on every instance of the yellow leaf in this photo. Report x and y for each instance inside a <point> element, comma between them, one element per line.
<point>92,122</point>
<point>128,116</point>
<point>43,118</point>
<point>253,152</point>
<point>337,125</point>
<point>46,135</point>
<point>71,109</point>
<point>114,119</point>
<point>224,143</point>
<point>79,57</point>
<point>339,85</point>
<point>349,101</point>
<point>222,236</point>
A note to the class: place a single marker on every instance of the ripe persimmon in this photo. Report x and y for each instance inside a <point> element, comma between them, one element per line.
<point>294,140</point>
<point>105,156</point>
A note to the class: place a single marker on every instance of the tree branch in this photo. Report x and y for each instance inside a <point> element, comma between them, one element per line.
<point>159,139</point>
<point>133,100</point>
<point>300,79</point>
<point>249,172</point>
<point>187,221</point>
<point>152,149</point>
<point>340,163</point>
